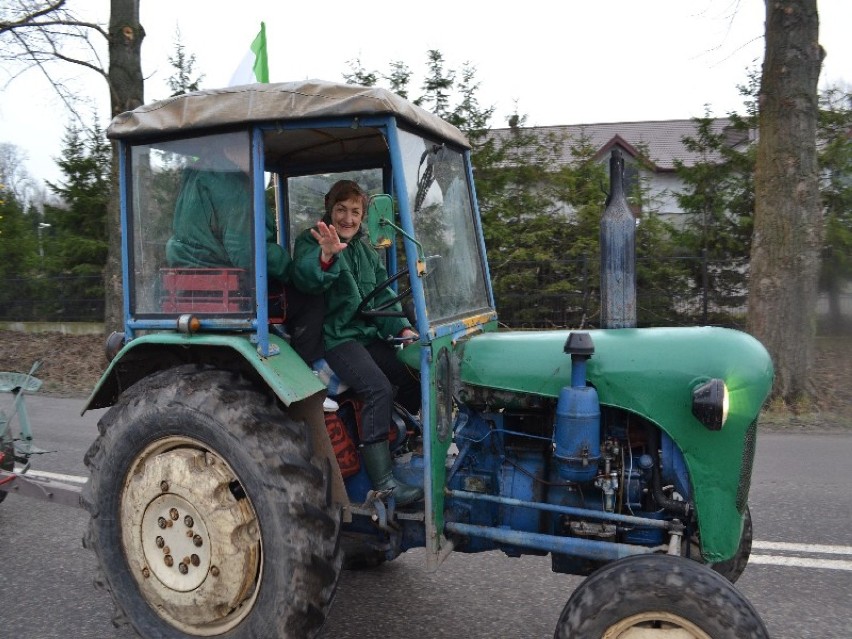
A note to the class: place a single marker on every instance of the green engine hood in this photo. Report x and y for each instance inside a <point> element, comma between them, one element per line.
<point>634,369</point>
<point>652,373</point>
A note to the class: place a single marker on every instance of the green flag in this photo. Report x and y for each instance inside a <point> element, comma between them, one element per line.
<point>255,65</point>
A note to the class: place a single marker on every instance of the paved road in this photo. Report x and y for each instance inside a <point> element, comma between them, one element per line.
<point>799,579</point>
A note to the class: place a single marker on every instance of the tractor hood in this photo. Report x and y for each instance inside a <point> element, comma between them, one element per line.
<point>650,372</point>
<point>632,369</point>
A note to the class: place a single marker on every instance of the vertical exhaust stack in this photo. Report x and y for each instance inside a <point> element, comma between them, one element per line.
<point>618,253</point>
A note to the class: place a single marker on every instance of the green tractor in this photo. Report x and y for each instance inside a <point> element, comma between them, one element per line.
<point>222,503</point>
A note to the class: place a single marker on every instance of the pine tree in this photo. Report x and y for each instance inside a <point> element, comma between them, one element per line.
<point>438,85</point>
<point>79,227</point>
<point>181,81</point>
<point>718,197</point>
<point>835,160</point>
<point>359,75</point>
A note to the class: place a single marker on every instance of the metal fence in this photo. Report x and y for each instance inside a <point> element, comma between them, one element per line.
<point>52,299</point>
<point>529,295</point>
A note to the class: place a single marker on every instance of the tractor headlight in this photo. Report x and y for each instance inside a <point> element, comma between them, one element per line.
<point>710,403</point>
<point>114,343</point>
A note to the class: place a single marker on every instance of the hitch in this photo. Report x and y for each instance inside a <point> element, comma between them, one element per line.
<point>40,486</point>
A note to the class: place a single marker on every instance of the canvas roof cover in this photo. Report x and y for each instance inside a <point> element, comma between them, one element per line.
<point>270,102</point>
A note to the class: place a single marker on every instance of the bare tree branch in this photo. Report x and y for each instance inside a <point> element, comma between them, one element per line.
<point>41,33</point>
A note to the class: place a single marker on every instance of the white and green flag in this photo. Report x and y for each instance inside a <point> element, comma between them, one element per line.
<point>255,65</point>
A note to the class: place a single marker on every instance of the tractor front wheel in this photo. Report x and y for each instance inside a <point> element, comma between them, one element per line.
<point>661,596</point>
<point>209,514</point>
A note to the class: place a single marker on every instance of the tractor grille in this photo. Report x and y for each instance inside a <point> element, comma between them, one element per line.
<point>746,468</point>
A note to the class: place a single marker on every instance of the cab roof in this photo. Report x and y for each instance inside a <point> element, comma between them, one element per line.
<point>287,101</point>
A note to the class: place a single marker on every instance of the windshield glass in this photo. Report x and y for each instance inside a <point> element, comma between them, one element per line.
<point>440,201</point>
<point>306,196</point>
<point>191,226</point>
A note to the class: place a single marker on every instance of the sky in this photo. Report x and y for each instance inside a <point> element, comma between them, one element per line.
<point>569,62</point>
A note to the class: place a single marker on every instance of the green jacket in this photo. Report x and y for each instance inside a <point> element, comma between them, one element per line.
<point>355,272</point>
<point>212,225</point>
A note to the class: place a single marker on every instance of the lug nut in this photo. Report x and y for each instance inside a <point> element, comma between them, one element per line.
<point>160,542</point>
<point>169,560</point>
<point>198,541</point>
<point>167,550</point>
<point>183,568</point>
<point>188,521</point>
<point>195,560</point>
<point>174,514</point>
<point>161,522</point>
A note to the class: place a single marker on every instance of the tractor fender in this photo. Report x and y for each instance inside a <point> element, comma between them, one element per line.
<point>285,373</point>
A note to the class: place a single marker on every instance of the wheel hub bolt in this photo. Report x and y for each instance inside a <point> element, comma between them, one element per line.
<point>183,568</point>
<point>198,541</point>
<point>174,514</point>
<point>169,560</point>
<point>160,542</point>
<point>195,560</point>
<point>161,522</point>
<point>188,521</point>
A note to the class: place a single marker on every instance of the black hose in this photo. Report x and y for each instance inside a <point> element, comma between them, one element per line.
<point>680,508</point>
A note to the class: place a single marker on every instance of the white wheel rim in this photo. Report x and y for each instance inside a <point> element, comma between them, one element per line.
<point>192,546</point>
<point>655,625</point>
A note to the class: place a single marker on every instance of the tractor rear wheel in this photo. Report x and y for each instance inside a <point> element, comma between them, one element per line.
<point>209,514</point>
<point>658,596</point>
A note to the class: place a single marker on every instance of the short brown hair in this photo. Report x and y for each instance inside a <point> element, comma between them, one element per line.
<point>344,190</point>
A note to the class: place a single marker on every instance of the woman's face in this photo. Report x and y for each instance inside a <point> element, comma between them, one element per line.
<point>346,216</point>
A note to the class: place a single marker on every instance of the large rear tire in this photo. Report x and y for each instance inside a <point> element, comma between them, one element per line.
<point>209,514</point>
<point>658,595</point>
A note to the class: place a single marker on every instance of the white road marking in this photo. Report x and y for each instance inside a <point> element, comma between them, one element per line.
<point>798,556</point>
<point>757,546</point>
<point>800,562</point>
<point>809,548</point>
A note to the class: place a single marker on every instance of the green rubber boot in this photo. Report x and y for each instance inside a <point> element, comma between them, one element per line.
<point>377,459</point>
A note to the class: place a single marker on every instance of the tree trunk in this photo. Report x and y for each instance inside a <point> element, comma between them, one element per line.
<point>785,255</point>
<point>126,93</point>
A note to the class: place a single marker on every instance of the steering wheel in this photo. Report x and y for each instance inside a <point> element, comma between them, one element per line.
<point>382,310</point>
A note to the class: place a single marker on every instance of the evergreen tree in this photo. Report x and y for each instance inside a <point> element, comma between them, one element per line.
<point>438,85</point>
<point>399,78</point>
<point>18,255</point>
<point>80,227</point>
<point>181,81</point>
<point>835,160</point>
<point>718,198</point>
<point>359,75</point>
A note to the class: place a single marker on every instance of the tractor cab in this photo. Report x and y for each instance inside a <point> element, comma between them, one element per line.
<point>210,212</point>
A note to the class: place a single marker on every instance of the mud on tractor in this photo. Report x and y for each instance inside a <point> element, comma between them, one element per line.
<point>219,504</point>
